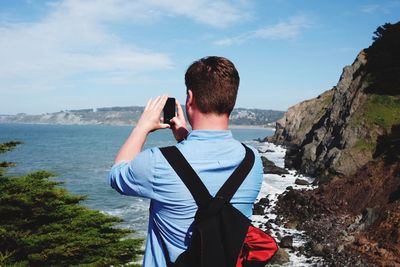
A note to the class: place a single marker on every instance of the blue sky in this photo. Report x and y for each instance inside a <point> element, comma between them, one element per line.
<point>70,54</point>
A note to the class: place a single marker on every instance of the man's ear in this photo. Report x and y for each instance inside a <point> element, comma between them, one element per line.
<point>189,98</point>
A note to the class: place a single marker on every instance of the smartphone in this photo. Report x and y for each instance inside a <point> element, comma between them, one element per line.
<point>169,110</point>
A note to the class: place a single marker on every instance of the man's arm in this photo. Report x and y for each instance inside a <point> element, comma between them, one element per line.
<point>149,121</point>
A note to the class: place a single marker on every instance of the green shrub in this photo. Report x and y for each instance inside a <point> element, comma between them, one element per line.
<point>5,147</point>
<point>363,145</point>
<point>383,110</point>
<point>42,224</point>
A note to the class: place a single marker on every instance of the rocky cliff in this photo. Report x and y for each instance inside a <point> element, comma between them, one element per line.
<point>352,139</point>
<point>336,133</point>
<point>291,129</point>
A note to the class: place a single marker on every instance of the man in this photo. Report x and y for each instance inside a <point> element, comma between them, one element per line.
<point>212,84</point>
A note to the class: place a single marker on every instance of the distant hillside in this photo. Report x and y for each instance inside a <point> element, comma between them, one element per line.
<point>130,115</point>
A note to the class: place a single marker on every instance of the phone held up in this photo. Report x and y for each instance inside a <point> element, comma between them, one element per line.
<point>169,110</point>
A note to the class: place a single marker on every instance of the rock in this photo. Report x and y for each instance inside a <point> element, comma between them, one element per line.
<point>269,225</point>
<point>299,119</point>
<point>280,257</point>
<point>364,220</point>
<point>382,252</point>
<point>286,242</point>
<point>264,201</point>
<point>291,224</point>
<point>270,167</point>
<point>301,182</point>
<point>322,133</point>
<point>259,207</point>
<point>278,235</point>
<point>266,151</point>
<point>268,231</point>
<point>349,239</point>
<point>317,249</point>
<point>361,241</point>
<point>369,216</point>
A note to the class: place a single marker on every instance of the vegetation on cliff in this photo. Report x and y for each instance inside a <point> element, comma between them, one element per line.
<point>42,224</point>
<point>382,110</point>
<point>383,58</point>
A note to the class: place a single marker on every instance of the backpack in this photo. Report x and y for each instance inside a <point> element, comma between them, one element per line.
<point>222,235</point>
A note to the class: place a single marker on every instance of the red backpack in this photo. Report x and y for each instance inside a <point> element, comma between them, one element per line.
<point>222,235</point>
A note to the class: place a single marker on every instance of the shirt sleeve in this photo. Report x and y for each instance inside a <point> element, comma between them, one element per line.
<point>136,177</point>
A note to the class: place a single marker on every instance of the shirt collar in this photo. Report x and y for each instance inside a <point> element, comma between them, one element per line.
<point>208,134</point>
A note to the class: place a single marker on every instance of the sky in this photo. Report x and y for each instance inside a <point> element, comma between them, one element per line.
<point>70,54</point>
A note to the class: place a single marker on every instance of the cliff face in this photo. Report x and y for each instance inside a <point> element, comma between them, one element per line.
<point>330,142</point>
<point>322,132</point>
<point>352,218</point>
<point>336,133</point>
<point>299,119</point>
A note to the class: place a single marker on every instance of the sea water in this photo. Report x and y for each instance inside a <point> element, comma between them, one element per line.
<point>81,157</point>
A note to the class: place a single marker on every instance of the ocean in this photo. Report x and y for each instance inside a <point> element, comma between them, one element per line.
<point>81,157</point>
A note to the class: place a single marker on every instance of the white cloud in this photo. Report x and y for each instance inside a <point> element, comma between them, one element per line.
<point>217,13</point>
<point>369,8</point>
<point>67,43</point>
<point>282,30</point>
<point>75,38</point>
<point>383,7</point>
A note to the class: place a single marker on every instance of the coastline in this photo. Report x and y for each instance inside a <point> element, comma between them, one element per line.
<point>268,219</point>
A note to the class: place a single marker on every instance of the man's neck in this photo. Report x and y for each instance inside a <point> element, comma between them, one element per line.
<point>212,122</point>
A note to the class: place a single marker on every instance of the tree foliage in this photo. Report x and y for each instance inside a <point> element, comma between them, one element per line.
<point>42,224</point>
<point>5,147</point>
<point>383,60</point>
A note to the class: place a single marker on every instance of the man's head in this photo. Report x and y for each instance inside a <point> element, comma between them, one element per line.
<point>214,82</point>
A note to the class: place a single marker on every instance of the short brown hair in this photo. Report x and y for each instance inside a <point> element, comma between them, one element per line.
<point>214,82</point>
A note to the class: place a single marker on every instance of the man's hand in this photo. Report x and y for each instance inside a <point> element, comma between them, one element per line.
<point>178,123</point>
<point>149,121</point>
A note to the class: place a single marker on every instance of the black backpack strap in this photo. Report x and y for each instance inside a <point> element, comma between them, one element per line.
<point>188,176</point>
<point>234,181</point>
<point>194,183</point>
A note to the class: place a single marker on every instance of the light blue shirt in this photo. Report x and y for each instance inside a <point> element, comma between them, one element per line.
<point>214,155</point>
